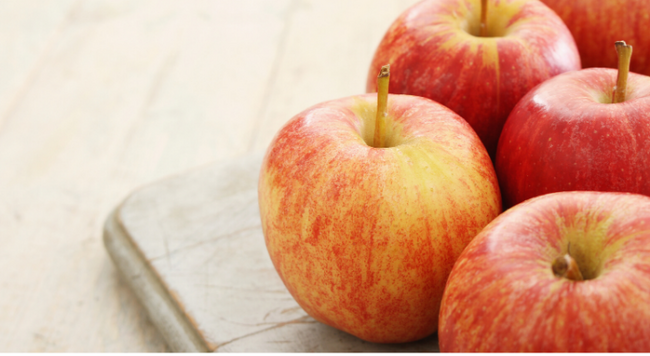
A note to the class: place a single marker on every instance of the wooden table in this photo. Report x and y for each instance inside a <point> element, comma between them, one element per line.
<point>100,97</point>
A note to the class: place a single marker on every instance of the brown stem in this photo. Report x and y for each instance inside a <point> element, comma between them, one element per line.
<point>382,105</point>
<point>567,267</point>
<point>624,55</point>
<point>483,25</point>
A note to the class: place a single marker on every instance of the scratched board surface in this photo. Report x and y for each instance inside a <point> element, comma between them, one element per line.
<point>191,247</point>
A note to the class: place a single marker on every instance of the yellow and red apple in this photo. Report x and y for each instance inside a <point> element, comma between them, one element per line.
<point>437,51</point>
<point>364,237</point>
<point>508,291</point>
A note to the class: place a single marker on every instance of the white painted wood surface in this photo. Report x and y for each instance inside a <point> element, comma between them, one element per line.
<point>100,97</point>
<point>192,249</point>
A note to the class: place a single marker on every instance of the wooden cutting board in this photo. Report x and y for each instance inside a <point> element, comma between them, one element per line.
<point>191,248</point>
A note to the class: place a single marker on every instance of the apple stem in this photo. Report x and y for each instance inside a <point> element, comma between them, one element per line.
<point>567,267</point>
<point>382,105</point>
<point>483,25</point>
<point>624,55</point>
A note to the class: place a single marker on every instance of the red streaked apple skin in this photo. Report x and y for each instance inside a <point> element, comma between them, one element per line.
<point>596,25</point>
<point>480,78</point>
<point>364,238</point>
<point>561,137</point>
<point>502,294</point>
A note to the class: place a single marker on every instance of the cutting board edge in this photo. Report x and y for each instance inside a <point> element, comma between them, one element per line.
<point>177,331</point>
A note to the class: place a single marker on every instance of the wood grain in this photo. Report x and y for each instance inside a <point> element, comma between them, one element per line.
<point>100,97</point>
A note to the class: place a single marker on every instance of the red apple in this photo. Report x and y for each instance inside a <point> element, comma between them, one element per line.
<point>364,237</point>
<point>436,52</point>
<point>567,135</point>
<point>596,24</point>
<point>507,292</point>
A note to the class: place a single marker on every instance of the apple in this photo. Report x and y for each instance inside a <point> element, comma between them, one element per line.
<point>438,52</point>
<point>506,292</point>
<point>567,135</point>
<point>595,24</point>
<point>364,234</point>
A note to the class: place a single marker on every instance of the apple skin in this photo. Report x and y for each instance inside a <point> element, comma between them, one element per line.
<point>432,54</point>
<point>596,25</point>
<point>567,135</point>
<point>364,238</point>
<point>502,294</point>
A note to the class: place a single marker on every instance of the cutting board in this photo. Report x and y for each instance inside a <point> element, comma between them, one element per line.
<point>191,247</point>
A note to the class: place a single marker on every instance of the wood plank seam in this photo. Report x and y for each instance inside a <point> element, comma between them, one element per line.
<point>40,62</point>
